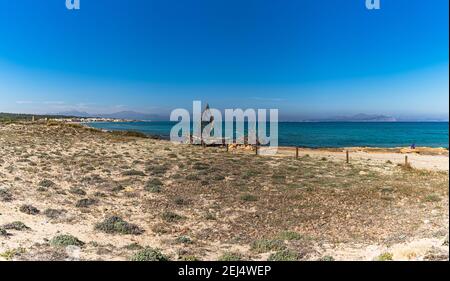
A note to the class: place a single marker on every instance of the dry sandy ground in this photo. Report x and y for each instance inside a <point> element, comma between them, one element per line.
<point>195,203</point>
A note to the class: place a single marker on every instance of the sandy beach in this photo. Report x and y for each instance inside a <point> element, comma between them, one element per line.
<point>424,158</point>
<point>73,193</point>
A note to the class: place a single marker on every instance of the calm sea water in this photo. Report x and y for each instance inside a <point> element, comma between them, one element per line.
<point>328,134</point>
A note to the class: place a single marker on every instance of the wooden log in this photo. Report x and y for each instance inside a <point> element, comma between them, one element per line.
<point>296,152</point>
<point>347,157</point>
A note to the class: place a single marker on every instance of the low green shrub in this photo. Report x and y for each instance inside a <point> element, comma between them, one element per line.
<point>53,213</point>
<point>29,209</point>
<point>154,186</point>
<point>229,256</point>
<point>249,197</point>
<point>66,240</point>
<point>17,225</point>
<point>284,255</point>
<point>290,235</point>
<point>85,203</point>
<point>46,183</point>
<point>171,216</point>
<point>326,258</point>
<point>385,257</point>
<point>116,225</point>
<point>265,245</point>
<point>5,195</point>
<point>133,173</point>
<point>183,240</point>
<point>149,254</point>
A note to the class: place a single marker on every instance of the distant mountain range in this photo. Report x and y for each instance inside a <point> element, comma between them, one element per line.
<point>130,115</point>
<point>361,117</point>
<point>356,118</point>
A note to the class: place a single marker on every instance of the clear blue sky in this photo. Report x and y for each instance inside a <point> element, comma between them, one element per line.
<point>306,57</point>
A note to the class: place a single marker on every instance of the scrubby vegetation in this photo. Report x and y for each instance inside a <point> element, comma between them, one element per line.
<point>171,216</point>
<point>229,256</point>
<point>203,202</point>
<point>77,191</point>
<point>85,203</point>
<point>129,134</point>
<point>248,197</point>
<point>3,232</point>
<point>285,255</point>
<point>29,209</point>
<point>184,240</point>
<point>66,240</point>
<point>290,235</point>
<point>17,225</point>
<point>326,258</point>
<point>432,198</point>
<point>265,245</point>
<point>5,195</point>
<point>46,183</point>
<point>10,254</point>
<point>133,246</point>
<point>154,186</point>
<point>149,254</point>
<point>53,213</point>
<point>385,257</point>
<point>116,225</point>
<point>133,173</point>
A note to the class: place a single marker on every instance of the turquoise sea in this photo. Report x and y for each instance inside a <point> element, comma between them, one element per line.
<point>328,134</point>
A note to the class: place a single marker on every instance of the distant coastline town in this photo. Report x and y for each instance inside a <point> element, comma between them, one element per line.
<point>5,117</point>
<point>90,120</point>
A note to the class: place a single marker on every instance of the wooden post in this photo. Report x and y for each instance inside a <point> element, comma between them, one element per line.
<point>406,160</point>
<point>256,149</point>
<point>347,156</point>
<point>296,152</point>
<point>226,146</point>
